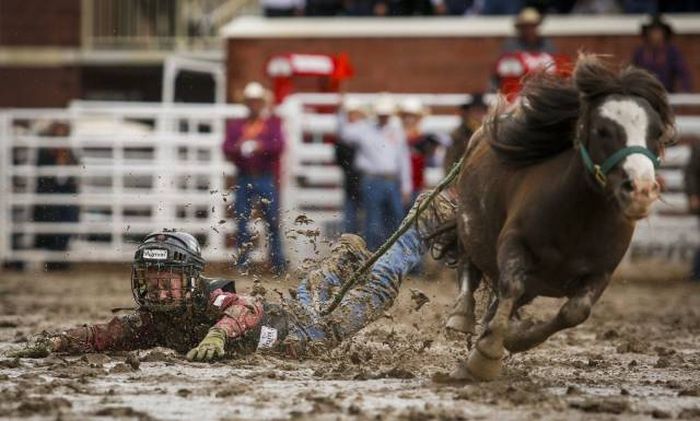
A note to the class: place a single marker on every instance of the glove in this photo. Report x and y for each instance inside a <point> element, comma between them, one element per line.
<point>211,347</point>
<point>38,348</point>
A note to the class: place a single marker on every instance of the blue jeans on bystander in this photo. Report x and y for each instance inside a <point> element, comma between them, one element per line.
<point>252,189</point>
<point>381,198</point>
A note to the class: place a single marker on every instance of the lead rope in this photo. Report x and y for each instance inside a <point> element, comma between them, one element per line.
<point>388,243</point>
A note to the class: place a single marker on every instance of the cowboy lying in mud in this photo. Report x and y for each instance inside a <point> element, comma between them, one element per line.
<point>205,318</point>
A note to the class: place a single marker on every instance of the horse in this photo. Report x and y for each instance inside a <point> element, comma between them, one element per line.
<point>548,197</point>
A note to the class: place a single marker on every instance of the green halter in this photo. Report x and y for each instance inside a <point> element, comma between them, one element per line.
<point>600,172</point>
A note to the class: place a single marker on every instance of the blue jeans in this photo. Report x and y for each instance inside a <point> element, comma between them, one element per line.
<point>381,199</point>
<point>364,303</point>
<point>351,215</point>
<point>695,275</point>
<point>252,189</point>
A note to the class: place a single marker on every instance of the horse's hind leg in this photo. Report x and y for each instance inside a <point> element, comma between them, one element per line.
<point>462,318</point>
<point>574,312</point>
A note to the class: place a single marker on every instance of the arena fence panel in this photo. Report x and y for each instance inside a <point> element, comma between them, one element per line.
<point>140,168</point>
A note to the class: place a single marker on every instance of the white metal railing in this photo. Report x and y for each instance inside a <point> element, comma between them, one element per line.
<point>144,167</point>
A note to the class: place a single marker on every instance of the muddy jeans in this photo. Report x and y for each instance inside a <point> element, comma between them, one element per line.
<point>364,303</point>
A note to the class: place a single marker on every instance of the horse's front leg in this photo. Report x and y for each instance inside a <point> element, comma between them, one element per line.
<point>572,313</point>
<point>486,359</point>
<point>462,318</point>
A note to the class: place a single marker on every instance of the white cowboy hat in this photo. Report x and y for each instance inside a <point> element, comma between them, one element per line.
<point>384,105</point>
<point>352,105</point>
<point>412,105</point>
<point>254,90</point>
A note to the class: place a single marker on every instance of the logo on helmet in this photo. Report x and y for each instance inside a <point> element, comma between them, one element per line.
<point>155,254</point>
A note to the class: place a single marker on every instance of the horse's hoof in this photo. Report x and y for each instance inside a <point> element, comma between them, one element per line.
<point>460,323</point>
<point>460,375</point>
<point>483,367</point>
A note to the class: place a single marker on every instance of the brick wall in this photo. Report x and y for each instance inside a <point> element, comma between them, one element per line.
<point>426,65</point>
<point>47,23</point>
<point>38,87</point>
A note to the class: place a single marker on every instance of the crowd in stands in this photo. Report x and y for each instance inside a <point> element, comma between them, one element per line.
<point>320,8</point>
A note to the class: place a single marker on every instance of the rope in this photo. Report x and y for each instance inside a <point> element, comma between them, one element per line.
<point>390,242</point>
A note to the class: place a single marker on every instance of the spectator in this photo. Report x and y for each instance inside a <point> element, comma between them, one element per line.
<point>254,144</point>
<point>499,7</point>
<point>407,7</point>
<point>421,146</point>
<point>471,115</point>
<point>282,8</point>
<point>679,6</point>
<point>528,38</point>
<point>361,7</point>
<point>659,56</point>
<point>457,7</point>
<point>323,7</point>
<point>345,157</point>
<point>692,187</point>
<point>640,7</point>
<point>55,184</point>
<point>383,159</point>
<point>596,7</point>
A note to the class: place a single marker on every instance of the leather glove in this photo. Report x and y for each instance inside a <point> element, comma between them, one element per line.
<point>211,347</point>
<point>39,347</point>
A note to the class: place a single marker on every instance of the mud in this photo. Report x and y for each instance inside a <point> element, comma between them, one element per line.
<point>637,357</point>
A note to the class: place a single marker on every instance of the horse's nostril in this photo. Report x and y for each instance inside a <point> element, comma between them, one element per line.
<point>628,186</point>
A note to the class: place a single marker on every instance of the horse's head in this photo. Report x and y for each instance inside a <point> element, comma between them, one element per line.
<point>625,122</point>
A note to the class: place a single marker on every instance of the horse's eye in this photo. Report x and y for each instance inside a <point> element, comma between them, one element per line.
<point>602,132</point>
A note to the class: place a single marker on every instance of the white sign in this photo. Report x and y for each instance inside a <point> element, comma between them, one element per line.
<point>268,337</point>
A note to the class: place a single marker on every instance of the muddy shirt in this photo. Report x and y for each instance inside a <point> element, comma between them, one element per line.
<point>248,324</point>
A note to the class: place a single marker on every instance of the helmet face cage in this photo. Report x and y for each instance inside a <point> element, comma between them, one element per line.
<point>165,271</point>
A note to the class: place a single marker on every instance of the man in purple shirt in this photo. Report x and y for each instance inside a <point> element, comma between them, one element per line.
<point>660,57</point>
<point>254,144</point>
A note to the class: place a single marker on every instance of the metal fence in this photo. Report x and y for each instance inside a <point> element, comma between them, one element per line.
<point>140,168</point>
<point>145,167</point>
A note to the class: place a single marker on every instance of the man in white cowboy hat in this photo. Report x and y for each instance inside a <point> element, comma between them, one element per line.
<point>382,158</point>
<point>254,144</point>
<point>528,38</point>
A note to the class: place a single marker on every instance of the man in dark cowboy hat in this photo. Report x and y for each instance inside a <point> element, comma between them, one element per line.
<point>658,55</point>
<point>179,308</point>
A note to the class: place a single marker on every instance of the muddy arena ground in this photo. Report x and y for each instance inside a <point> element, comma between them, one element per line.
<point>637,357</point>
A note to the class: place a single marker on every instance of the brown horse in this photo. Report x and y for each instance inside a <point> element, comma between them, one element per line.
<point>549,195</point>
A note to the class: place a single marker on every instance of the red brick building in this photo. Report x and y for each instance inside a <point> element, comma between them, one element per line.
<point>431,55</point>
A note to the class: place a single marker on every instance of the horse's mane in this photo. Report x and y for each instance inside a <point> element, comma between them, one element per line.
<point>545,122</point>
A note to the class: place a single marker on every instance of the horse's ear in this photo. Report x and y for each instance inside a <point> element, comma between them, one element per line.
<point>592,77</point>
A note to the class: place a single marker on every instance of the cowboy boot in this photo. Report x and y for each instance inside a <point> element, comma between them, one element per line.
<point>437,224</point>
<point>346,258</point>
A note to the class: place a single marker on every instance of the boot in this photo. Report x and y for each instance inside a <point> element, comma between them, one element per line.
<point>347,256</point>
<point>437,224</point>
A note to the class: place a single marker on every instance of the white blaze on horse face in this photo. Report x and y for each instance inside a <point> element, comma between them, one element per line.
<point>634,121</point>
